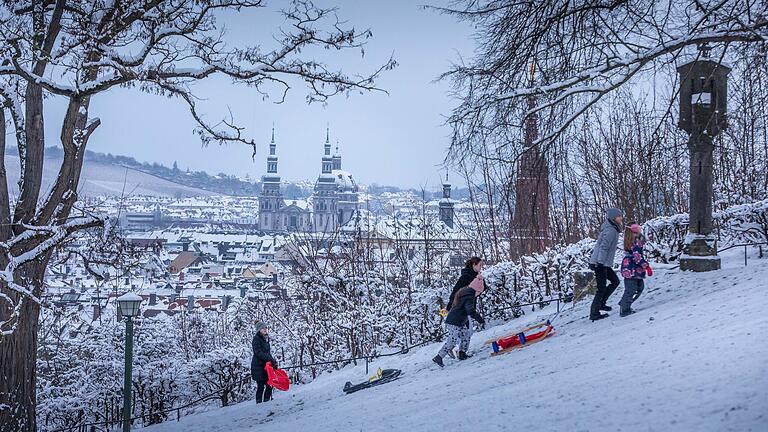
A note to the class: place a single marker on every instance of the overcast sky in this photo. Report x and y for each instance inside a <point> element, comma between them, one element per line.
<point>396,139</point>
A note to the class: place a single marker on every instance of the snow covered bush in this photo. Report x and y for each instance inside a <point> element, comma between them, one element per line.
<point>533,279</point>
<point>540,277</point>
<point>79,369</point>
<point>348,315</point>
<point>738,224</point>
<point>223,369</point>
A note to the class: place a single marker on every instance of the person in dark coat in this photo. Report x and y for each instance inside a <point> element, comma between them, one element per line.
<point>457,321</point>
<point>601,262</point>
<point>261,355</point>
<point>471,269</point>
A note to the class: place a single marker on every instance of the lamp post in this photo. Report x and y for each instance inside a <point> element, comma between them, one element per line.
<point>703,114</point>
<point>129,308</point>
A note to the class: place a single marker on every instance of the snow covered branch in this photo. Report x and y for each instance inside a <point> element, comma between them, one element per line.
<point>34,244</point>
<point>568,55</point>
<point>180,43</point>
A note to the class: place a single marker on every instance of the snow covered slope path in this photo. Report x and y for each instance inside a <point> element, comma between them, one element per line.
<point>692,358</point>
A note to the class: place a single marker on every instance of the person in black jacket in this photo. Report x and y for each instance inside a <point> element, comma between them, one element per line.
<point>261,355</point>
<point>472,267</point>
<point>457,321</point>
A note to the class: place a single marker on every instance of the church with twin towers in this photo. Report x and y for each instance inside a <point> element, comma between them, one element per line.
<point>334,203</point>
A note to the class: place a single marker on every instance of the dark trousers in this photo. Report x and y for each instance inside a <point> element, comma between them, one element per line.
<point>632,290</point>
<point>602,275</point>
<point>263,392</point>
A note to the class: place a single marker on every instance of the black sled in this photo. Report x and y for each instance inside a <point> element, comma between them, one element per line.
<point>382,377</point>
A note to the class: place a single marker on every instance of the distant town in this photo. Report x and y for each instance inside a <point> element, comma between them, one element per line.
<point>197,253</point>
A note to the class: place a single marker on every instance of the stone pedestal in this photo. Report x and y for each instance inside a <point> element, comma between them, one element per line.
<point>700,255</point>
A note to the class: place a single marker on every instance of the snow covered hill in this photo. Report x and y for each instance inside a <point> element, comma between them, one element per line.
<point>100,179</point>
<point>692,359</point>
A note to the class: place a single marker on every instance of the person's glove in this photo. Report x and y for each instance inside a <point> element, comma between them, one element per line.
<point>649,270</point>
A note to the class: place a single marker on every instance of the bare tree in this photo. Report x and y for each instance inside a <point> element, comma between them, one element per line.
<point>77,50</point>
<point>583,50</point>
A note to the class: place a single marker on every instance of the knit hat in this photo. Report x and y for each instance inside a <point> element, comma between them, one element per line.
<point>635,228</point>
<point>477,284</point>
<point>613,213</point>
<point>260,325</point>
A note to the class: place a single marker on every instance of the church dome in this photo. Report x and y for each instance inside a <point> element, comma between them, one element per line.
<point>344,181</point>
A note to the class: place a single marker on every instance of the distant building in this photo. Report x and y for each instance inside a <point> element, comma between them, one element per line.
<point>141,220</point>
<point>334,200</point>
<point>185,259</point>
<point>446,204</point>
<point>274,214</point>
<point>530,224</point>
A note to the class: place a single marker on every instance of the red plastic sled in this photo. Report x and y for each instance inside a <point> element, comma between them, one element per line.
<point>277,378</point>
<point>521,339</point>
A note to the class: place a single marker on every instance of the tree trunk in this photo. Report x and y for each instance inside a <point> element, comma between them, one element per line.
<point>18,357</point>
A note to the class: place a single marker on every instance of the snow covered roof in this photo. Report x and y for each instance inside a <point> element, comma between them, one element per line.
<point>415,228</point>
<point>302,204</point>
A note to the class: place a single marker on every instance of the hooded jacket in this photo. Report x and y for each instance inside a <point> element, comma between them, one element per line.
<point>605,246</point>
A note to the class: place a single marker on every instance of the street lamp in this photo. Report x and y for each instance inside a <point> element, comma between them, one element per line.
<point>129,308</point>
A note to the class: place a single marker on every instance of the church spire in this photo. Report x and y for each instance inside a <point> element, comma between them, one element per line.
<point>531,121</point>
<point>272,158</point>
<point>327,166</point>
<point>446,204</point>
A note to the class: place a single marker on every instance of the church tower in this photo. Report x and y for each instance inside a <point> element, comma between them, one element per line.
<point>324,198</point>
<point>530,224</point>
<point>337,157</point>
<point>347,200</point>
<point>446,204</point>
<point>271,198</point>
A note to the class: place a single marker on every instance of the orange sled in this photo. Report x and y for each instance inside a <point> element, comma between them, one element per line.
<point>523,338</point>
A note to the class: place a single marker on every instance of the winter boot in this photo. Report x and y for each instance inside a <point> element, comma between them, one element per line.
<point>598,317</point>
<point>606,308</point>
<point>439,360</point>
<point>463,355</point>
<point>627,313</point>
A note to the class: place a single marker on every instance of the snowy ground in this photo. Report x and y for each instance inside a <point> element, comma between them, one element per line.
<point>692,359</point>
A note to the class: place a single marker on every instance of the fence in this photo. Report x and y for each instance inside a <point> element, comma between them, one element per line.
<point>746,250</point>
<point>745,246</point>
<point>92,427</point>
